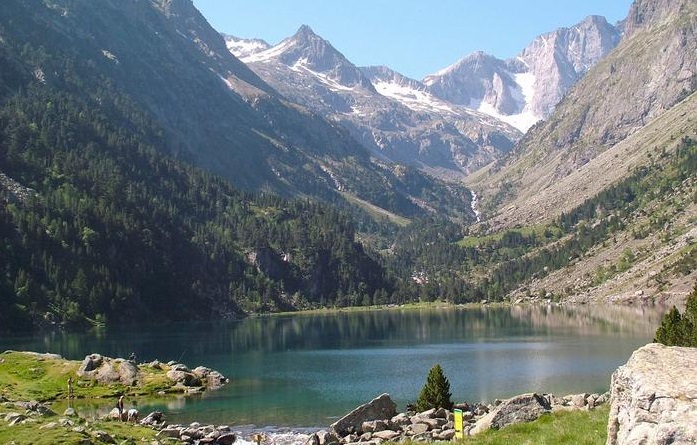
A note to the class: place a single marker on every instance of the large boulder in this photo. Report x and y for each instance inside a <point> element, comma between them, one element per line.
<point>128,372</point>
<point>380,408</point>
<point>518,409</point>
<point>184,378</point>
<point>90,363</point>
<point>107,370</point>
<point>653,398</point>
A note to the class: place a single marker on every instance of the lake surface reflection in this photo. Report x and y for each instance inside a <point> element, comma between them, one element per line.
<point>306,370</point>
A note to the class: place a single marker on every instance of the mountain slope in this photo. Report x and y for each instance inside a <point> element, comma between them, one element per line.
<point>97,226</point>
<point>525,89</point>
<point>399,122</point>
<point>213,109</point>
<point>649,72</point>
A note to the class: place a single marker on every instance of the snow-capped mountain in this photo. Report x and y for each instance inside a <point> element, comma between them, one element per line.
<point>525,89</point>
<point>396,117</point>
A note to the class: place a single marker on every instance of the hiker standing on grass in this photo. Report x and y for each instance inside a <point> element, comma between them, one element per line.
<point>70,387</point>
<point>119,406</point>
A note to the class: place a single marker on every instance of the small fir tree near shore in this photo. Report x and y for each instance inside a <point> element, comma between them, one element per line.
<point>436,391</point>
<point>680,329</point>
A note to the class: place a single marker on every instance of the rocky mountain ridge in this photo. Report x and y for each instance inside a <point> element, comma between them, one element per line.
<point>395,117</point>
<point>526,88</point>
<point>213,110</point>
<point>650,72</point>
<point>633,111</point>
<point>451,123</point>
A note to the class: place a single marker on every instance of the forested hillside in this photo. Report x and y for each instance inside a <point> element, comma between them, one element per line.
<point>627,226</point>
<point>98,225</point>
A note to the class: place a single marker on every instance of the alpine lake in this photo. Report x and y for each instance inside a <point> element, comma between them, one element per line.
<point>307,370</point>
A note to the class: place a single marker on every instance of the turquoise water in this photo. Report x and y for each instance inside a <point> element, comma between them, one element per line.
<point>308,370</point>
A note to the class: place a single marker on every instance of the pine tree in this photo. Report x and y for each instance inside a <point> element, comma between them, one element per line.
<point>670,331</point>
<point>680,329</point>
<point>436,391</point>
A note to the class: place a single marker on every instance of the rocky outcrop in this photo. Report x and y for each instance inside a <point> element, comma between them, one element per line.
<point>374,423</point>
<point>107,371</point>
<point>654,397</point>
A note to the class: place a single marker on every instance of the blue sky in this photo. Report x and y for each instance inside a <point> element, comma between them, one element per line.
<point>415,38</point>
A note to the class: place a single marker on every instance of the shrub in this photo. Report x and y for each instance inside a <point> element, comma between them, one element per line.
<point>680,329</point>
<point>436,391</point>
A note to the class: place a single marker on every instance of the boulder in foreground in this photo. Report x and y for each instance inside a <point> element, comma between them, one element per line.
<point>381,407</point>
<point>654,397</point>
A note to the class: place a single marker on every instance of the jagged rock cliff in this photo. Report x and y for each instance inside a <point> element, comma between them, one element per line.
<point>526,88</point>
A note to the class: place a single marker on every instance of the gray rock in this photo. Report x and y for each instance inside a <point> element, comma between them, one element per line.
<point>226,439</point>
<point>480,410</point>
<point>373,426</point>
<point>386,435</point>
<point>183,377</point>
<point>579,400</point>
<point>416,429</point>
<point>430,422</point>
<point>201,372</point>
<point>522,408</point>
<point>381,407</point>
<point>128,372</point>
<point>327,437</point>
<point>169,432</point>
<point>69,412</point>
<point>441,413</point>
<point>15,418</point>
<point>654,397</point>
<point>103,436</point>
<point>153,418</point>
<point>90,363</point>
<point>66,422</point>
<point>428,413</point>
<point>445,435</point>
<point>401,419</point>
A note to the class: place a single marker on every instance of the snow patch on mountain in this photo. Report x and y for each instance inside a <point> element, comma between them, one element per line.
<point>241,48</point>
<point>416,100</point>
<point>267,54</point>
<point>523,94</point>
<point>301,66</point>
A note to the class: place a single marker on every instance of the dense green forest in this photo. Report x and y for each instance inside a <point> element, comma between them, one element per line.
<point>111,229</point>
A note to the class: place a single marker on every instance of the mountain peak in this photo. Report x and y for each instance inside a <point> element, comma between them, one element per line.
<point>305,32</point>
<point>309,52</point>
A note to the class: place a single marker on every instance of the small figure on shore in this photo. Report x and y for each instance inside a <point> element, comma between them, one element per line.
<point>119,406</point>
<point>71,394</point>
<point>132,415</point>
<point>258,438</point>
<point>132,358</point>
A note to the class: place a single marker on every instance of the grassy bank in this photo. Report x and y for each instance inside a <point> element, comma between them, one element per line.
<point>572,427</point>
<point>44,377</point>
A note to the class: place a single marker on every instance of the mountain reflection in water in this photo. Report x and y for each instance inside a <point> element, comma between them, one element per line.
<point>305,370</point>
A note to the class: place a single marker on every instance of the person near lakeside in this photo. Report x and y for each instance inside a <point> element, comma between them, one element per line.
<point>119,406</point>
<point>70,387</point>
